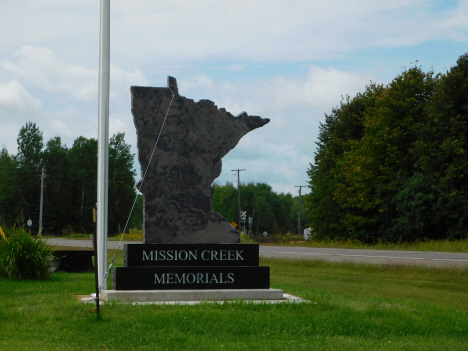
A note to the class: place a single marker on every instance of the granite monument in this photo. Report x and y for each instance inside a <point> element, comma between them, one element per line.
<point>188,247</point>
<point>192,137</point>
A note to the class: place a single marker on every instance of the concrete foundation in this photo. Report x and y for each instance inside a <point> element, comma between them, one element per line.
<point>191,295</point>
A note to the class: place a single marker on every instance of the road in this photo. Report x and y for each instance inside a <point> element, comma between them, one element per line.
<point>423,258</point>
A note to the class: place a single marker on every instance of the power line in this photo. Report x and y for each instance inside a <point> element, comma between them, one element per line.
<point>299,213</point>
<point>238,193</point>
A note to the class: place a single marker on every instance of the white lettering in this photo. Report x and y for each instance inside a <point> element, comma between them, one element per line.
<point>213,277</point>
<point>147,257</point>
<point>170,255</point>
<point>181,253</point>
<point>203,255</point>
<point>181,279</point>
<point>238,255</point>
<point>192,277</point>
<point>158,280</point>
<point>194,255</point>
<point>214,255</point>
<point>231,255</point>
<point>222,255</point>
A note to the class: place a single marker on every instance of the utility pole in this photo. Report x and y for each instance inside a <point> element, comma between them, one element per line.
<point>238,193</point>
<point>42,202</point>
<point>299,217</point>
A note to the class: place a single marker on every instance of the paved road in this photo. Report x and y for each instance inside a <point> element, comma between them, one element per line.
<point>424,258</point>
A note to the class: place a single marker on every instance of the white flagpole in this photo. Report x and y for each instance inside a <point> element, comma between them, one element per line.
<point>103,142</point>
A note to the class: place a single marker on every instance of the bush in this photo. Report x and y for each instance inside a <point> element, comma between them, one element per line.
<point>23,256</point>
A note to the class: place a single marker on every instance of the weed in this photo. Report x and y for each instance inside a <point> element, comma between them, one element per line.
<point>23,256</point>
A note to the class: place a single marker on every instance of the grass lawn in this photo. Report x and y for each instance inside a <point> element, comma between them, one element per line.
<point>352,307</point>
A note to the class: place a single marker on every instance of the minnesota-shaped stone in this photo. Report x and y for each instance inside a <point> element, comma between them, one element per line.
<point>177,189</point>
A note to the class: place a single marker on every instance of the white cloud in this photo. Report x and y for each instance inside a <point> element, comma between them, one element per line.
<point>321,88</point>
<point>41,68</point>
<point>147,31</point>
<point>194,82</point>
<point>272,31</point>
<point>236,67</point>
<point>15,98</point>
<point>122,78</point>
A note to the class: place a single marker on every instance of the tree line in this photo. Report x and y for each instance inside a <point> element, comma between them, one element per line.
<point>392,164</point>
<point>70,189</point>
<point>70,183</point>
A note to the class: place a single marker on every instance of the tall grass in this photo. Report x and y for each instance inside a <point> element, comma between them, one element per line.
<point>23,256</point>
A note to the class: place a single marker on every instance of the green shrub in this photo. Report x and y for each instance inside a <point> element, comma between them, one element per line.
<point>23,256</point>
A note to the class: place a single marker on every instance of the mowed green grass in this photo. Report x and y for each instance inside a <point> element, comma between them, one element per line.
<point>352,307</point>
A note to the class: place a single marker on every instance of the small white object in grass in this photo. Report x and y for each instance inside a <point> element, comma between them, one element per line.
<point>307,233</point>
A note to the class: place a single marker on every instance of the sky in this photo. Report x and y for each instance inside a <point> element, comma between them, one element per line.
<point>289,61</point>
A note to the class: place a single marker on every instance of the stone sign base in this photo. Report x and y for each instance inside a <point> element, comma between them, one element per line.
<point>191,295</point>
<point>191,272</point>
<point>191,267</point>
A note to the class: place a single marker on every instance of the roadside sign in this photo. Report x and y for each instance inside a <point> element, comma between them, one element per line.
<point>29,222</point>
<point>234,224</point>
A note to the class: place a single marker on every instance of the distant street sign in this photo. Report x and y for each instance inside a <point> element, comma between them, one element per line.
<point>234,224</point>
<point>29,222</point>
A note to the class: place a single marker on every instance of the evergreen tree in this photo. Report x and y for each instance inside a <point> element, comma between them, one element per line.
<point>82,158</point>
<point>29,158</point>
<point>58,185</point>
<point>225,201</point>
<point>10,209</point>
<point>121,183</point>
